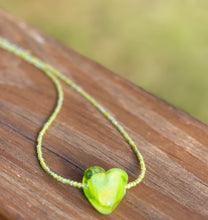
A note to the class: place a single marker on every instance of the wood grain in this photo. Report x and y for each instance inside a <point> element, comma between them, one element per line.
<point>173,143</point>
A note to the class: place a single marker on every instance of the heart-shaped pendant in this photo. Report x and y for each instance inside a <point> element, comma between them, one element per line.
<point>105,188</point>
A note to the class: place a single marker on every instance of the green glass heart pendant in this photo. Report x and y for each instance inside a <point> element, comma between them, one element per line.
<point>105,188</point>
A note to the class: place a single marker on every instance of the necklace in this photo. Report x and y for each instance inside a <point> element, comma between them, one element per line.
<point>103,189</point>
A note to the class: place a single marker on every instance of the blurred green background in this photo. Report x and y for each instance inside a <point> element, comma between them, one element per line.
<point>161,46</point>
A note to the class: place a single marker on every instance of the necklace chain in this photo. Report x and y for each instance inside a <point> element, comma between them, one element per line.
<point>54,74</point>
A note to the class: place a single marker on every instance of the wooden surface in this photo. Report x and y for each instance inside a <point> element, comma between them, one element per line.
<point>174,145</point>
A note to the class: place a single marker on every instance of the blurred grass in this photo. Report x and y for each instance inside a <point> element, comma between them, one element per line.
<point>161,46</point>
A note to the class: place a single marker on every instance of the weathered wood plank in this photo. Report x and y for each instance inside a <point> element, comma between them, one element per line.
<point>173,143</point>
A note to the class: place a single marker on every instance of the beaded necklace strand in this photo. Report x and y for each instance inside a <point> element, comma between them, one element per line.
<point>87,182</point>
